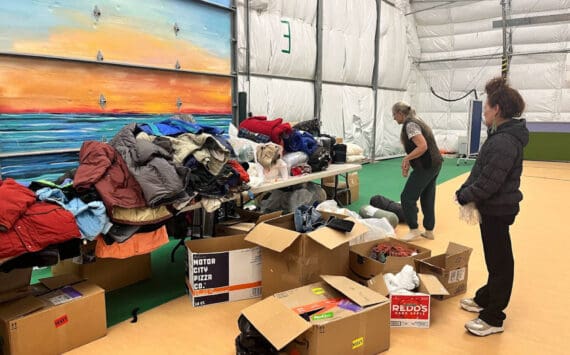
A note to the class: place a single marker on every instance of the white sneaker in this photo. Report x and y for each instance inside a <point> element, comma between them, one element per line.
<point>470,305</point>
<point>480,328</point>
<point>428,235</point>
<point>412,234</point>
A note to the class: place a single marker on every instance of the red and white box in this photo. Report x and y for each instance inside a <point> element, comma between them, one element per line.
<point>410,310</point>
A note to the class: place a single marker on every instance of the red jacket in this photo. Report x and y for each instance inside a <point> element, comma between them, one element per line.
<point>103,167</point>
<point>275,129</point>
<point>29,226</point>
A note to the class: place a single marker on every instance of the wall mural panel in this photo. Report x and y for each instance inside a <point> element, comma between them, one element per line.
<point>154,33</point>
<point>50,105</point>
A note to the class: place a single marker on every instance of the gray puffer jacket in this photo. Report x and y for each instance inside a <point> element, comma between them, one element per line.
<point>495,179</point>
<point>162,182</point>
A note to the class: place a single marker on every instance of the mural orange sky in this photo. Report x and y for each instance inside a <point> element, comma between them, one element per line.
<point>38,85</point>
<point>131,46</point>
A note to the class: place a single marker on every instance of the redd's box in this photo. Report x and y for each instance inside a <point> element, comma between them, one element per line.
<point>410,310</point>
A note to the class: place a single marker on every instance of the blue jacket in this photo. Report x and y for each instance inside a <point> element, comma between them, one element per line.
<point>173,127</point>
<point>91,218</point>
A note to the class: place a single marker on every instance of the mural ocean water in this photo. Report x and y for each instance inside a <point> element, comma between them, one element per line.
<point>29,133</point>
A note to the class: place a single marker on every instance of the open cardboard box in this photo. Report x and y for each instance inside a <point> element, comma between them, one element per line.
<point>109,274</point>
<point>346,318</point>
<point>363,267</point>
<point>223,269</point>
<point>15,284</point>
<point>451,268</point>
<point>246,222</point>
<point>60,314</point>
<point>412,310</point>
<point>292,259</point>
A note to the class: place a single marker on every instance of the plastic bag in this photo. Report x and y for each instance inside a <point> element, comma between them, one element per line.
<point>469,213</point>
<point>407,279</point>
<point>378,228</point>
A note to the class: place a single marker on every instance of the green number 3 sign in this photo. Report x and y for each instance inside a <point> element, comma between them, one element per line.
<point>288,36</point>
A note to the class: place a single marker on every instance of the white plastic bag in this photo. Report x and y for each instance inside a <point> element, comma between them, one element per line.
<point>469,213</point>
<point>407,279</point>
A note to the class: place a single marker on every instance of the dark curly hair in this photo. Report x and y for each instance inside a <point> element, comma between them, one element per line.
<point>510,102</point>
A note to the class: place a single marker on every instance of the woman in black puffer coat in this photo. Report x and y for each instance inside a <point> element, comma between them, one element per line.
<point>493,186</point>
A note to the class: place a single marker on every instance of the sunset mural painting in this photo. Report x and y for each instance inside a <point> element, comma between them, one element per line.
<point>54,94</point>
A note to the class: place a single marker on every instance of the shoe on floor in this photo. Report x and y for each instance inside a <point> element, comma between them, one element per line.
<point>470,305</point>
<point>428,235</point>
<point>412,234</point>
<point>480,328</point>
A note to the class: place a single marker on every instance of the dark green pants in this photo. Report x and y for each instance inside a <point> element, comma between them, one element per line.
<point>420,185</point>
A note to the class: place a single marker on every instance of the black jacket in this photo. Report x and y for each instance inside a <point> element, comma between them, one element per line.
<point>495,179</point>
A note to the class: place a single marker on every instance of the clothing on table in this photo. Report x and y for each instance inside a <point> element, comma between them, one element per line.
<point>48,256</point>
<point>300,141</point>
<point>138,244</point>
<point>205,148</point>
<point>102,167</point>
<point>30,226</point>
<point>91,217</point>
<point>161,181</point>
<point>174,127</point>
<point>275,129</point>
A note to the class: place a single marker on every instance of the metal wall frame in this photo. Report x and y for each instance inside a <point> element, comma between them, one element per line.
<point>317,79</point>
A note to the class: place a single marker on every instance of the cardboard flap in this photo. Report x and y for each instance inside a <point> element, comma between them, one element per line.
<point>430,284</point>
<point>20,308</point>
<point>457,255</point>
<point>361,295</point>
<point>268,216</point>
<point>268,237</point>
<point>378,284</point>
<point>278,324</point>
<point>55,282</point>
<point>330,238</point>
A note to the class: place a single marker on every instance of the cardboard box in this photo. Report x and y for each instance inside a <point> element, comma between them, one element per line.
<point>363,267</point>
<point>292,259</point>
<point>109,274</point>
<point>450,268</point>
<point>346,318</point>
<point>246,222</point>
<point>15,284</point>
<point>68,314</point>
<point>343,196</point>
<point>223,269</point>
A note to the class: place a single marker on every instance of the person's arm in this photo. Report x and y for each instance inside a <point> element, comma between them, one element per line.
<point>493,174</point>
<point>421,147</point>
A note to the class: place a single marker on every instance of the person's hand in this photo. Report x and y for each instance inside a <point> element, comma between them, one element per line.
<point>405,167</point>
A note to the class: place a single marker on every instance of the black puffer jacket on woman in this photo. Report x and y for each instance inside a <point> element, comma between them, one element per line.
<point>495,179</point>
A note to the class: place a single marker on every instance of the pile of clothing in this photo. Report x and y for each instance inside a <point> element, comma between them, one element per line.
<point>120,196</point>
<point>383,250</point>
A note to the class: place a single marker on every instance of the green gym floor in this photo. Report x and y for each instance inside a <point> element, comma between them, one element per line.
<point>167,282</point>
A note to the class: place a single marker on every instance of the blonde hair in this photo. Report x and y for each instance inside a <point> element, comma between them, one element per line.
<point>405,108</point>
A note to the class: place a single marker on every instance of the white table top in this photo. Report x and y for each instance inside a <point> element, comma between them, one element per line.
<point>333,169</point>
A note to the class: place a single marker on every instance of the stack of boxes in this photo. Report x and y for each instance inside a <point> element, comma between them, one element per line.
<point>322,291</point>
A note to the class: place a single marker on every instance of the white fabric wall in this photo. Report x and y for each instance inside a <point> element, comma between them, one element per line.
<point>349,31</point>
<point>466,30</point>
<point>348,112</point>
<point>288,99</point>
